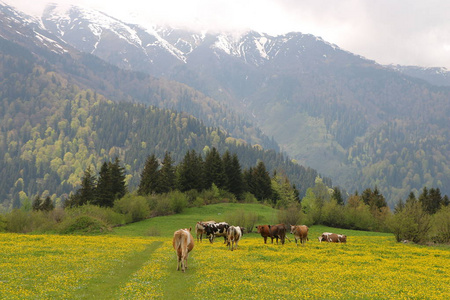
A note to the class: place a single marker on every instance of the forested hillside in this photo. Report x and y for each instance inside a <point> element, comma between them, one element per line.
<point>52,130</point>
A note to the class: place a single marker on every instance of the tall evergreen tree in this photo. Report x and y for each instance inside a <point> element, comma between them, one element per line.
<point>118,183</point>
<point>191,172</point>
<point>337,195</point>
<point>87,190</point>
<point>149,176</point>
<point>166,182</point>
<point>214,170</point>
<point>104,192</point>
<point>47,205</point>
<point>262,183</point>
<point>36,204</point>
<point>233,174</point>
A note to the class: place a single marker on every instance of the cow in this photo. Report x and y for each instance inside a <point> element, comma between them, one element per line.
<point>300,232</point>
<point>333,237</point>
<point>272,231</point>
<point>183,243</point>
<point>278,232</point>
<point>342,238</point>
<point>200,229</point>
<point>234,234</point>
<point>216,229</point>
<point>264,230</point>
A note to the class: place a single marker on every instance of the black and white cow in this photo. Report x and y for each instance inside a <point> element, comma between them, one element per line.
<point>216,229</point>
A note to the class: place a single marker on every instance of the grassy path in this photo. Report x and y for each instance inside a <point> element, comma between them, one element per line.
<point>107,286</point>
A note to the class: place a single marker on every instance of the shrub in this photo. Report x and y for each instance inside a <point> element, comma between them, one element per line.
<point>292,215</point>
<point>243,219</point>
<point>106,214</point>
<point>82,225</point>
<point>441,225</point>
<point>333,214</point>
<point>178,201</point>
<point>412,223</point>
<point>135,208</point>
<point>2,223</point>
<point>18,221</point>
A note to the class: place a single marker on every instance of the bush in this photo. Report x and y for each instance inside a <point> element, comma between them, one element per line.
<point>82,225</point>
<point>441,225</point>
<point>2,223</point>
<point>243,219</point>
<point>412,223</point>
<point>333,214</point>
<point>178,202</point>
<point>106,214</point>
<point>292,215</point>
<point>19,221</point>
<point>135,208</point>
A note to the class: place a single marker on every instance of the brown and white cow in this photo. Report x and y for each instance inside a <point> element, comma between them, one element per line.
<point>300,232</point>
<point>333,237</point>
<point>183,243</point>
<point>234,234</point>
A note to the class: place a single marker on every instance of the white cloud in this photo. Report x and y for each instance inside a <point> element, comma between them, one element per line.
<point>409,32</point>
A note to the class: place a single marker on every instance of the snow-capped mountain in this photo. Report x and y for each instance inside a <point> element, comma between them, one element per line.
<point>22,28</point>
<point>435,76</point>
<point>157,49</point>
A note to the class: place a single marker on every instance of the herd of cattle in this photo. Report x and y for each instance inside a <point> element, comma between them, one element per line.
<point>183,241</point>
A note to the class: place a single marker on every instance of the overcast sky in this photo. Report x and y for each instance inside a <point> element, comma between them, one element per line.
<point>407,32</point>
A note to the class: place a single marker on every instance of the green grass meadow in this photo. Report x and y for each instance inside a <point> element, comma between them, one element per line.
<point>137,261</point>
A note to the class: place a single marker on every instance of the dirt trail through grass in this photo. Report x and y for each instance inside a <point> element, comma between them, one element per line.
<point>108,286</point>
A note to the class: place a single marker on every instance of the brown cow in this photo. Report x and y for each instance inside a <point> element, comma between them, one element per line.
<point>264,230</point>
<point>278,232</point>
<point>183,243</point>
<point>300,232</point>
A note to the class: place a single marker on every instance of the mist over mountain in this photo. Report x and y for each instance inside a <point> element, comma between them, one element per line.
<point>357,121</point>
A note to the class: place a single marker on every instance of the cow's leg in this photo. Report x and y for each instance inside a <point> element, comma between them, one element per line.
<point>265,240</point>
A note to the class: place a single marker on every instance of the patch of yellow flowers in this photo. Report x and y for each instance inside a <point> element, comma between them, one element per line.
<point>43,267</point>
<point>52,266</point>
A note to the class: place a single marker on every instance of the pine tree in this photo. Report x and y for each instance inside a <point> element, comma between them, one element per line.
<point>149,176</point>
<point>87,190</point>
<point>262,183</point>
<point>337,195</point>
<point>47,205</point>
<point>214,170</point>
<point>191,172</point>
<point>36,204</point>
<point>104,192</point>
<point>118,184</point>
<point>166,182</point>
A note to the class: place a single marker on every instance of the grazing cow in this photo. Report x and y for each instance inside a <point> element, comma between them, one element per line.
<point>278,232</point>
<point>300,232</point>
<point>234,234</point>
<point>342,238</point>
<point>200,229</point>
<point>216,229</point>
<point>272,231</point>
<point>264,230</point>
<point>183,243</point>
<point>333,237</point>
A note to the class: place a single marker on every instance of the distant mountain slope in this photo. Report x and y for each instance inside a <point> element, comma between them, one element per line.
<point>57,118</point>
<point>362,123</point>
<point>435,76</point>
